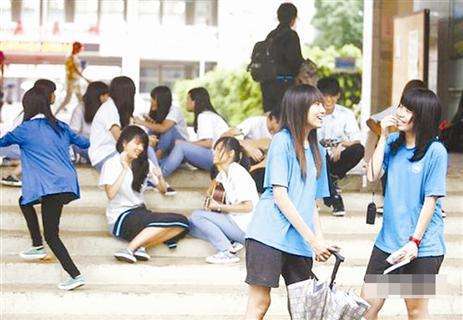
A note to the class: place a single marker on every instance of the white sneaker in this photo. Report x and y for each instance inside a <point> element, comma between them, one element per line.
<point>72,283</point>
<point>236,247</point>
<point>125,255</point>
<point>222,257</point>
<point>34,253</point>
<point>141,255</point>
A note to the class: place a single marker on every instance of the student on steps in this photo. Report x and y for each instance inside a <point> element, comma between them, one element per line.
<point>124,178</point>
<point>208,125</point>
<point>49,178</point>
<point>224,225</point>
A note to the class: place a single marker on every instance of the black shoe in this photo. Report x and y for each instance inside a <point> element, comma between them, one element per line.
<point>11,181</point>
<point>338,206</point>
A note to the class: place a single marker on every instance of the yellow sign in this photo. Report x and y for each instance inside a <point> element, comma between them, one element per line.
<point>35,46</point>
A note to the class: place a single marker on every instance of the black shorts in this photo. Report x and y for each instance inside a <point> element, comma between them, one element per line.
<point>132,222</point>
<point>424,265</point>
<point>265,264</point>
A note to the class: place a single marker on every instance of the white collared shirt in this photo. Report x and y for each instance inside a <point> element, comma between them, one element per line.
<point>340,126</point>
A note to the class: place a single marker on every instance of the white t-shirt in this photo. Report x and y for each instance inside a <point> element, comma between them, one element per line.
<point>340,126</point>
<point>102,142</point>
<point>126,198</point>
<point>210,126</point>
<point>239,186</point>
<point>78,123</point>
<point>175,115</point>
<point>255,128</point>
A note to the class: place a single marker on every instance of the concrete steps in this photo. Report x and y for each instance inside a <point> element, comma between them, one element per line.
<point>102,243</point>
<point>178,284</point>
<point>147,299</point>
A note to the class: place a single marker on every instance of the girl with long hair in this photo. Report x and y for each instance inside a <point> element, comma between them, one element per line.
<point>82,117</point>
<point>224,225</point>
<point>208,125</point>
<point>124,178</point>
<point>49,177</point>
<point>415,164</point>
<point>165,121</point>
<point>285,233</point>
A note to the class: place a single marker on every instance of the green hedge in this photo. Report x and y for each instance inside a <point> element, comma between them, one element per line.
<point>236,96</point>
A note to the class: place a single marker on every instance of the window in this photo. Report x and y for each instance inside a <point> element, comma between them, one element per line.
<point>112,13</point>
<point>6,14</point>
<point>204,12</point>
<point>174,12</point>
<point>149,78</point>
<point>149,12</point>
<point>172,73</point>
<point>86,13</point>
<point>30,15</point>
<point>55,12</point>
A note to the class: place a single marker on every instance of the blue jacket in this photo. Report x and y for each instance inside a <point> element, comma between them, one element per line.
<point>46,164</point>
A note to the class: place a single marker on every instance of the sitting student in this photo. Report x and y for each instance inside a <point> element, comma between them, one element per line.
<point>124,178</point>
<point>49,178</point>
<point>82,117</point>
<point>208,125</point>
<point>257,133</point>
<point>340,134</point>
<point>164,120</point>
<point>224,225</point>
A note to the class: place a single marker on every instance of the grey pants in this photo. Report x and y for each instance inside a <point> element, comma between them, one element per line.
<point>217,228</point>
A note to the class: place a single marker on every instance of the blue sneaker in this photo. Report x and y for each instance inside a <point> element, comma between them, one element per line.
<point>72,283</point>
<point>34,253</point>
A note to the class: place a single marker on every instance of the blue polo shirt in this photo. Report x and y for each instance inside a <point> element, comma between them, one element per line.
<point>269,225</point>
<point>408,184</point>
<point>46,165</point>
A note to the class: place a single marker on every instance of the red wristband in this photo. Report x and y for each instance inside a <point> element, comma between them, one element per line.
<point>416,241</point>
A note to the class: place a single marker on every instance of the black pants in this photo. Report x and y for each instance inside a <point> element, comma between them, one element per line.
<point>272,93</point>
<point>350,157</point>
<point>52,206</point>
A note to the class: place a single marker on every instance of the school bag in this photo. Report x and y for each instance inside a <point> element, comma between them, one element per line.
<point>263,66</point>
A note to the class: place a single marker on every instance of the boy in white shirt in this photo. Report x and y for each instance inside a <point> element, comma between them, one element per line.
<point>340,134</point>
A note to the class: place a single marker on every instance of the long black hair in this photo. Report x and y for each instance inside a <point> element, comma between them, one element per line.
<point>202,102</point>
<point>35,101</point>
<point>163,97</point>
<point>140,165</point>
<point>91,99</point>
<point>47,87</point>
<point>426,109</point>
<point>232,144</point>
<point>295,105</point>
<point>122,91</point>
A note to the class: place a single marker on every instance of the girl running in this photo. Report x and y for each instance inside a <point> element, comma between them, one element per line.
<point>49,178</point>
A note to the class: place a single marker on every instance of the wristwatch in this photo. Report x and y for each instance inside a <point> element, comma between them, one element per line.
<point>415,240</point>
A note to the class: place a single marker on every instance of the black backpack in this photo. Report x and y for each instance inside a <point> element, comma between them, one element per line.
<point>263,65</point>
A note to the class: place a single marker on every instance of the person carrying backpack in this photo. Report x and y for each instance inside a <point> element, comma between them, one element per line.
<point>275,62</point>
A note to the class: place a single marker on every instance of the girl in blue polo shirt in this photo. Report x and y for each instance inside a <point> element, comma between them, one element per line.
<point>285,232</point>
<point>415,163</point>
<point>49,177</point>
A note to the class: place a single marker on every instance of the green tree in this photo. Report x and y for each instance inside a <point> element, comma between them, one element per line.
<point>339,22</point>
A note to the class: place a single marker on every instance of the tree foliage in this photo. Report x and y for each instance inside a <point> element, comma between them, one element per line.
<point>339,22</point>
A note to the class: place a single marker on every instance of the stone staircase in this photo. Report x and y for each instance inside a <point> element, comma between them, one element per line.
<point>178,284</point>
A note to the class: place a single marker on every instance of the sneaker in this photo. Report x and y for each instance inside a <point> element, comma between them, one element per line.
<point>72,283</point>
<point>188,166</point>
<point>125,255</point>
<point>338,206</point>
<point>170,192</point>
<point>34,253</point>
<point>236,247</point>
<point>222,257</point>
<point>11,181</point>
<point>141,255</point>
<point>150,185</point>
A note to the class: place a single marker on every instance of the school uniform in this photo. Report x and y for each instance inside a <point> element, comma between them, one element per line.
<point>408,184</point>
<point>178,132</point>
<point>79,125</point>
<point>220,229</point>
<point>274,247</point>
<point>48,177</point>
<point>210,127</point>
<point>255,128</point>
<point>126,213</point>
<point>102,142</point>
